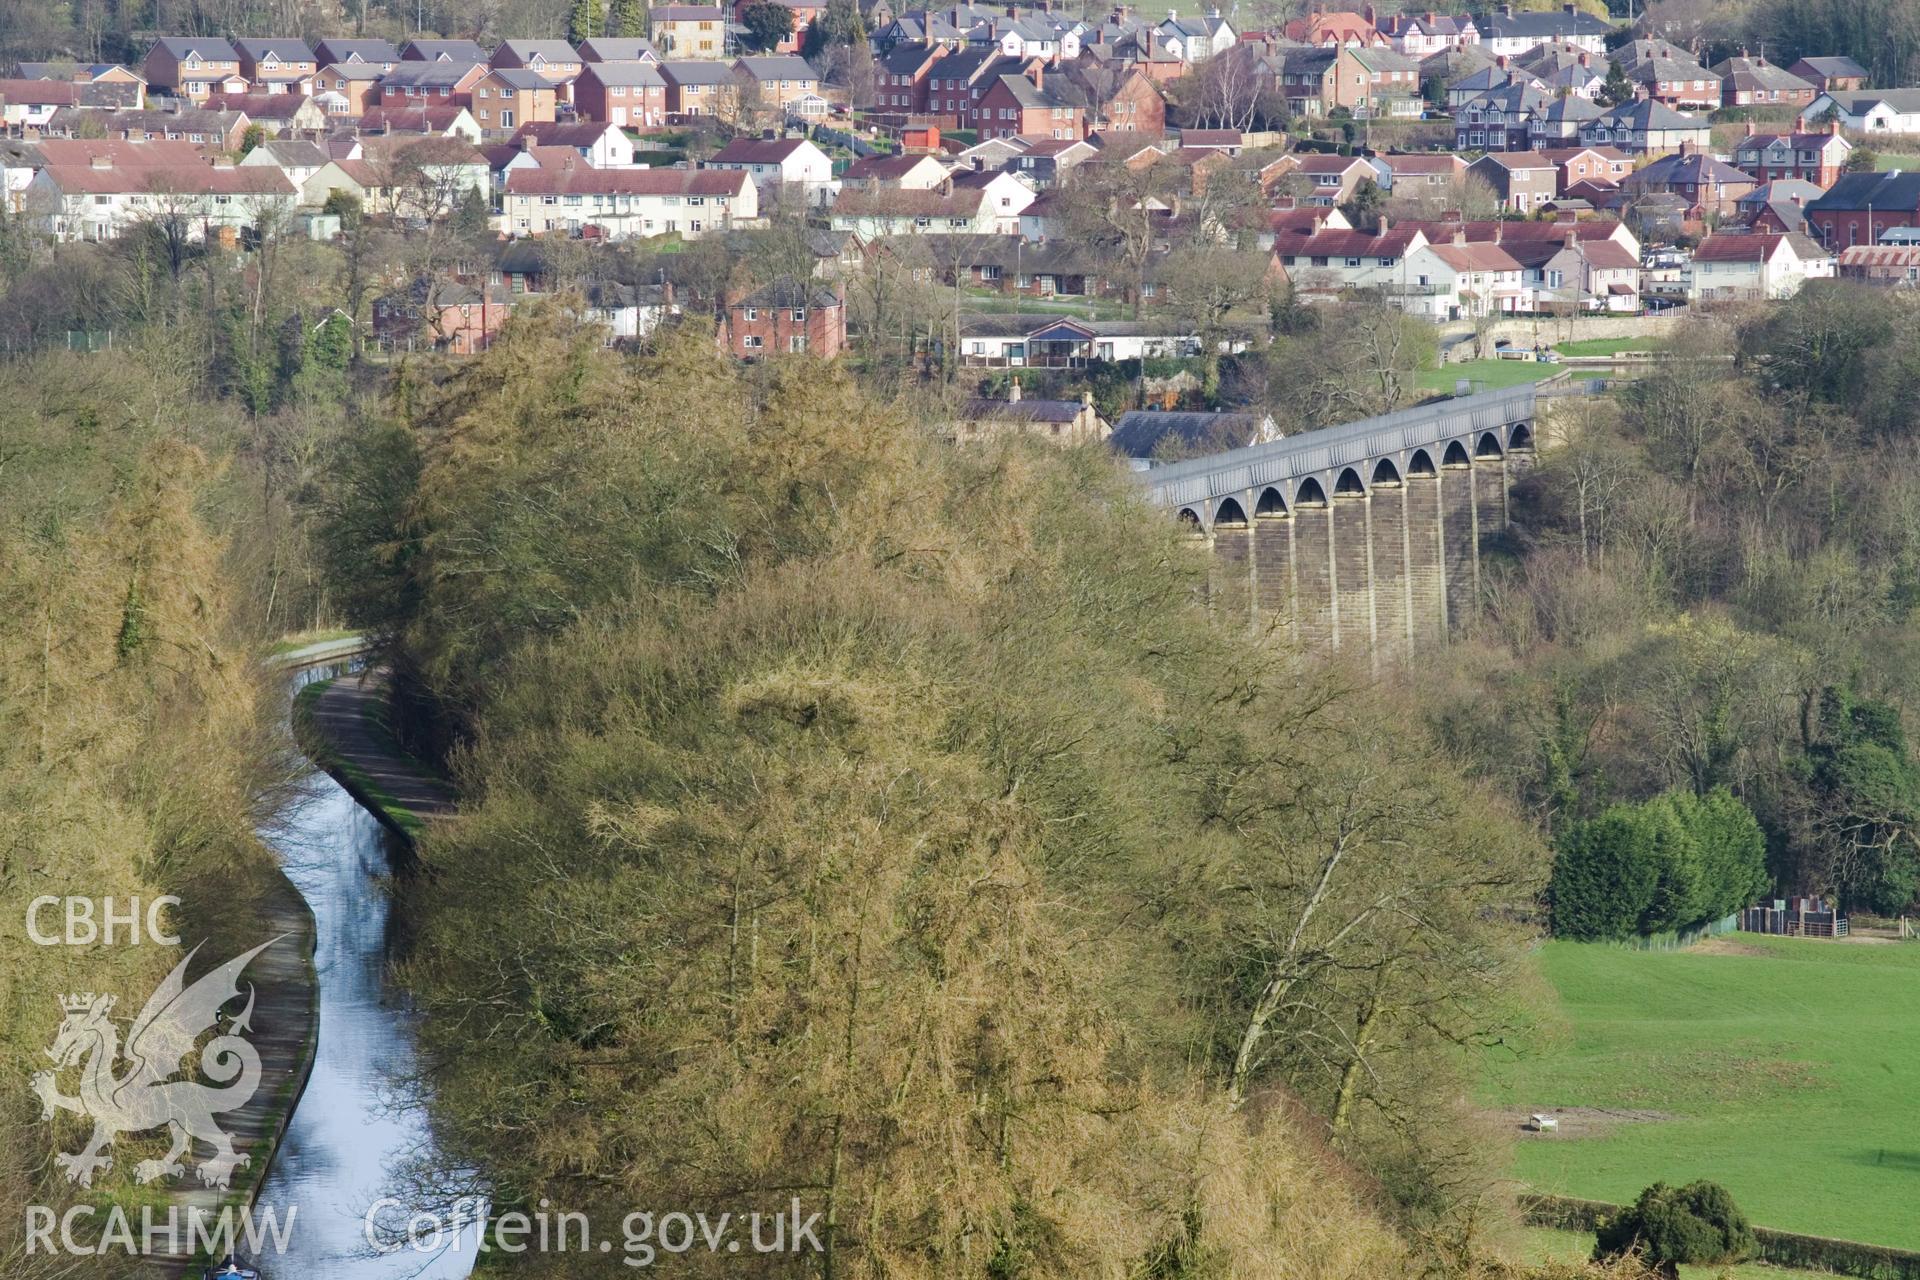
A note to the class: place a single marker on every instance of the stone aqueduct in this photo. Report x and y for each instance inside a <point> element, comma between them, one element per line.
<point>1364,536</point>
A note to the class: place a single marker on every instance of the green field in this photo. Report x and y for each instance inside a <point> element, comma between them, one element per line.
<point>1486,375</point>
<point>1788,1071</point>
<point>1894,160</point>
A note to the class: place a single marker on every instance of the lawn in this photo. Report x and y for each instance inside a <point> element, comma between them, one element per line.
<point>1606,346</point>
<point>1486,375</point>
<point>1784,1069</point>
<point>1895,160</point>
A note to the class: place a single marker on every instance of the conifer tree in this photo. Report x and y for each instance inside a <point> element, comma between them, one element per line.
<point>589,19</point>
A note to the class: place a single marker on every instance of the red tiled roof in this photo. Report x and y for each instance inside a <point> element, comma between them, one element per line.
<point>54,93</point>
<point>1475,257</point>
<point>1348,244</point>
<point>185,179</point>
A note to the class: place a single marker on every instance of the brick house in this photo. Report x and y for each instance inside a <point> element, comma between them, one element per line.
<point>1818,158</point>
<point>1676,83</point>
<point>192,67</point>
<point>902,74</point>
<point>452,316</point>
<point>1707,185</point>
<point>1862,207</point>
<point>355,84</point>
<point>787,316</point>
<point>507,97</point>
<point>1122,99</point>
<point>277,66</point>
<point>1829,75</point>
<point>1753,82</point>
<point>414,82</point>
<point>1028,106</point>
<point>1602,166</point>
<point>1500,119</point>
<point>617,49</point>
<point>628,94</point>
<point>1315,81</point>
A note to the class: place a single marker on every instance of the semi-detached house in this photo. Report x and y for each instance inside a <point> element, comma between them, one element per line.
<point>628,202</point>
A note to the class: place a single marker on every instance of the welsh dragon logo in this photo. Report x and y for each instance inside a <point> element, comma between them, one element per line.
<point>143,1098</point>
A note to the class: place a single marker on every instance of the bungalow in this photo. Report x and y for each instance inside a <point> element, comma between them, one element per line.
<point>1866,110</point>
<point>788,316</point>
<point>1818,158</point>
<point>628,202</point>
<point>192,67</point>
<point>277,66</point>
<point>623,94</point>
<point>775,163</point>
<point>1754,265</point>
<point>1055,342</point>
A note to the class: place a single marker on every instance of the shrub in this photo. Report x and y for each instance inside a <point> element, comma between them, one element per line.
<point>1695,1224</point>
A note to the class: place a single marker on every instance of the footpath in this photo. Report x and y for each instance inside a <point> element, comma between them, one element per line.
<point>342,724</point>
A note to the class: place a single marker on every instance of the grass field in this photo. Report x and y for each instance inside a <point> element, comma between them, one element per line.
<point>1486,375</point>
<point>1787,1070</point>
<point>1895,160</point>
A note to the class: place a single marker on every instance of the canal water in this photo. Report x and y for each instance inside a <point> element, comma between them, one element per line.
<point>359,1133</point>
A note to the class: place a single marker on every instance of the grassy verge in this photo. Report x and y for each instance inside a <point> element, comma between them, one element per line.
<point>301,639</point>
<point>351,776</point>
<point>1606,346</point>
<point>1780,1068</point>
<point>1540,1244</point>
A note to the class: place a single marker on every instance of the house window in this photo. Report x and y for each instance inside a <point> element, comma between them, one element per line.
<point>753,313</point>
<point>753,341</point>
<point>800,313</point>
<point>798,342</point>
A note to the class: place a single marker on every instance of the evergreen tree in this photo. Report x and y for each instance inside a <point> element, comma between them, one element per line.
<point>588,19</point>
<point>629,18</point>
<point>1618,88</point>
<point>1697,1224</point>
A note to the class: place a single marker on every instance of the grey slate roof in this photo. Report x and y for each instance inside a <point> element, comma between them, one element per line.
<point>1139,432</point>
<point>1891,190</point>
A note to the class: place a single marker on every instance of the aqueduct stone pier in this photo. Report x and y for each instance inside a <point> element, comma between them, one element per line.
<point>1362,536</point>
